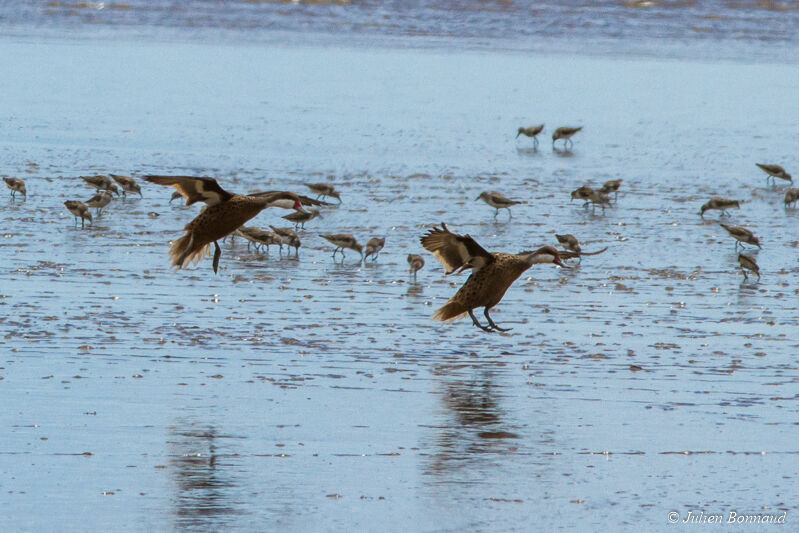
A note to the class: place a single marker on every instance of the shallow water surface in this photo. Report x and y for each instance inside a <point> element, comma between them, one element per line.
<point>305,394</point>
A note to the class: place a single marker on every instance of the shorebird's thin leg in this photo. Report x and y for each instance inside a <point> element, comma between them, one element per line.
<point>217,255</point>
<point>510,214</point>
<point>496,212</point>
<point>491,322</point>
<point>535,141</point>
<point>478,324</point>
<point>746,277</point>
<point>758,276</point>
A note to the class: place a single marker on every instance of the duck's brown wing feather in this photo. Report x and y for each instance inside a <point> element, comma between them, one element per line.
<point>304,200</point>
<point>194,189</point>
<point>455,251</point>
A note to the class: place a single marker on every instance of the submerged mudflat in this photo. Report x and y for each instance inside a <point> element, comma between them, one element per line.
<point>305,394</point>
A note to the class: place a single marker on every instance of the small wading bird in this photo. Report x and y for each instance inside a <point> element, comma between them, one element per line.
<point>722,204</point>
<point>596,198</point>
<point>416,263</point>
<point>748,262</point>
<point>791,196</point>
<point>289,238</point>
<point>324,190</point>
<point>532,131</point>
<point>259,237</point>
<point>582,193</point>
<point>17,186</point>
<point>373,247</point>
<point>611,186</point>
<point>101,183</point>
<point>128,185</point>
<point>573,249</point>
<point>342,241</point>
<point>741,235</point>
<point>226,212</point>
<point>497,201</point>
<point>492,273</point>
<point>566,134</point>
<point>774,171</point>
<point>301,217</point>
<point>79,210</point>
<point>99,201</point>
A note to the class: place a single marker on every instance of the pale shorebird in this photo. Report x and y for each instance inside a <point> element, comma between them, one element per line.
<point>569,242</point>
<point>79,210</point>
<point>342,241</point>
<point>373,247</point>
<point>289,238</point>
<point>791,196</point>
<point>741,235</point>
<point>101,183</point>
<point>299,218</point>
<point>492,273</point>
<point>416,263</point>
<point>324,190</point>
<point>611,186</point>
<point>127,184</point>
<point>224,214</point>
<point>497,201</point>
<point>532,131</point>
<point>774,171</point>
<point>99,201</point>
<point>748,262</point>
<point>722,204</point>
<point>259,237</point>
<point>17,186</point>
<point>566,134</point>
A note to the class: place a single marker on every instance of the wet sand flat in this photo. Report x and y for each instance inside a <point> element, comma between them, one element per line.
<point>307,395</point>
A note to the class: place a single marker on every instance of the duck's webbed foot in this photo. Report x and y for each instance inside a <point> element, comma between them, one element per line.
<point>491,322</point>
<point>478,324</point>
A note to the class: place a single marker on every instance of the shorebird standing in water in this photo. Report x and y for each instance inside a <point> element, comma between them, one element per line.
<point>722,204</point>
<point>492,273</point>
<point>566,134</point>
<point>416,263</point>
<point>774,171</point>
<point>324,190</point>
<point>497,201</point>
<point>342,241</point>
<point>17,186</point>
<point>741,235</point>
<point>791,196</point>
<point>569,242</point>
<point>127,184</point>
<point>532,131</point>
<point>99,201</point>
<point>611,186</point>
<point>748,262</point>
<point>301,217</point>
<point>101,183</point>
<point>582,193</point>
<point>596,198</point>
<point>373,247</point>
<point>258,236</point>
<point>225,213</point>
<point>289,238</point>
<point>79,210</point>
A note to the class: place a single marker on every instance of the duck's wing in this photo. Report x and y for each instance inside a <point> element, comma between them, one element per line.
<point>455,252</point>
<point>304,200</point>
<point>194,189</point>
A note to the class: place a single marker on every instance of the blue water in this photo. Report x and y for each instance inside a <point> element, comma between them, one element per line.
<point>305,395</point>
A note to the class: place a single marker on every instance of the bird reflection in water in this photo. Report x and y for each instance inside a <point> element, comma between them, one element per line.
<point>202,469</point>
<point>474,425</point>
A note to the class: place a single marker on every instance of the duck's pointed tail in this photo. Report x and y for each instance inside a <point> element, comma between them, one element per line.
<point>184,250</point>
<point>450,311</point>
